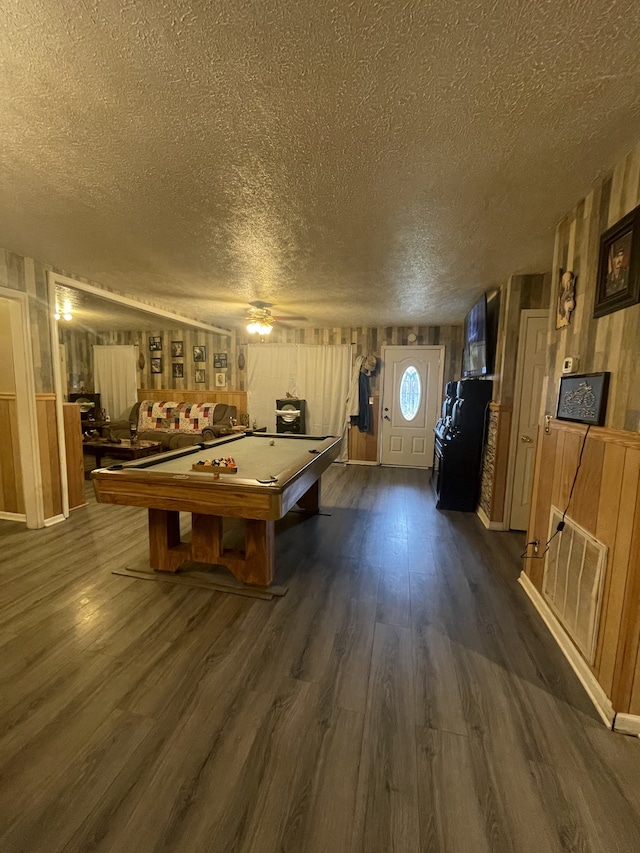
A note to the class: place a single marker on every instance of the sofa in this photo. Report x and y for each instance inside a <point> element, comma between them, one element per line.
<point>175,424</point>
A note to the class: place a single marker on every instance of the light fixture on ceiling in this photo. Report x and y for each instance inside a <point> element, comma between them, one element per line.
<point>65,313</point>
<point>260,321</point>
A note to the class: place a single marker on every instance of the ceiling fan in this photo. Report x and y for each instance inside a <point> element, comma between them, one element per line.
<point>260,320</point>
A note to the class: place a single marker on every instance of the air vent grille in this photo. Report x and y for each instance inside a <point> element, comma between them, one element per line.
<point>573,581</point>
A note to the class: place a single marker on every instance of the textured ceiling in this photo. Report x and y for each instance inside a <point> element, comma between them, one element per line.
<point>358,163</point>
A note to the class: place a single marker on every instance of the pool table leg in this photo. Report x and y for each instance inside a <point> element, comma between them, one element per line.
<point>310,501</point>
<point>166,551</point>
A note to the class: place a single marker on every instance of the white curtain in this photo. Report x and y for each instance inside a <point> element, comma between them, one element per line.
<point>318,374</point>
<point>115,378</point>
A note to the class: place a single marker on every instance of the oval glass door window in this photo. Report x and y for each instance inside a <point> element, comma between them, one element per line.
<point>410,393</point>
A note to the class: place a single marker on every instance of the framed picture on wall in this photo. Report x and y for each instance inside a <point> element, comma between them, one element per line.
<point>221,380</point>
<point>582,398</point>
<point>200,376</point>
<point>199,353</point>
<point>177,370</point>
<point>177,349</point>
<point>155,343</point>
<point>618,282</point>
<point>219,359</point>
<point>566,298</point>
<point>156,365</point>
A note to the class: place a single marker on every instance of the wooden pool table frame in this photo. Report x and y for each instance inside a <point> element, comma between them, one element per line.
<point>209,500</point>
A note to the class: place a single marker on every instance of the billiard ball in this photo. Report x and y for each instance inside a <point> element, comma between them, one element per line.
<point>272,442</point>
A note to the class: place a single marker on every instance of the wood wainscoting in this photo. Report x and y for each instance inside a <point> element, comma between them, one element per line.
<point>606,503</point>
<point>73,447</point>
<point>11,490</point>
<point>49,454</point>
<point>231,398</point>
<point>363,446</point>
<point>11,487</point>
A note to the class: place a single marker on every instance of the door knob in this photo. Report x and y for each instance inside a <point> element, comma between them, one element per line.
<point>526,439</point>
<point>387,418</point>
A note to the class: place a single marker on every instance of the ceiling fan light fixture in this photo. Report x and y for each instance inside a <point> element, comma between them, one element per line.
<point>260,321</point>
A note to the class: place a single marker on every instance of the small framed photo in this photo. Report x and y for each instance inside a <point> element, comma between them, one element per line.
<point>200,376</point>
<point>618,282</point>
<point>177,370</point>
<point>199,353</point>
<point>582,397</point>
<point>177,349</point>
<point>156,365</point>
<point>221,380</point>
<point>219,359</point>
<point>155,343</point>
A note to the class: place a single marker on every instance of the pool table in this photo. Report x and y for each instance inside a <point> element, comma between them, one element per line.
<point>274,473</point>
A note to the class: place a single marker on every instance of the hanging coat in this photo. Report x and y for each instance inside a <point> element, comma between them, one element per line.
<point>364,409</point>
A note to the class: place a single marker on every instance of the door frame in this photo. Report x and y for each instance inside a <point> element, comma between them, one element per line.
<point>29,449</point>
<point>442,350</point>
<point>525,314</point>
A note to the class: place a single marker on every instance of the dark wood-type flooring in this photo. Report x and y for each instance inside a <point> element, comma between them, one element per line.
<point>403,696</point>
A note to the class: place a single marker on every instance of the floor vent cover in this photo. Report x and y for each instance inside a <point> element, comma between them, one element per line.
<point>573,580</point>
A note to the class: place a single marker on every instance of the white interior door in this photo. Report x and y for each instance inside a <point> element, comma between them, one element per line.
<point>530,369</point>
<point>411,395</point>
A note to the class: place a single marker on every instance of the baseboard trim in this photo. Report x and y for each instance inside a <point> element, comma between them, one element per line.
<point>490,525</point>
<point>594,691</point>
<point>627,724</point>
<point>55,519</point>
<point>13,516</point>
<point>360,462</point>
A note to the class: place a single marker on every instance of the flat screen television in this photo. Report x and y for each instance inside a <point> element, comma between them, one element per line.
<point>480,336</point>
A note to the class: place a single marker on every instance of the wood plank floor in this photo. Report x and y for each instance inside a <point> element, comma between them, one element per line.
<point>403,696</point>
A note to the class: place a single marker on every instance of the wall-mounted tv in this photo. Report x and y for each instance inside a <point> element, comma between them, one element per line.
<point>480,336</point>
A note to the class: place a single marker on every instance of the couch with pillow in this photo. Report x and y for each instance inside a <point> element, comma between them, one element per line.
<point>175,424</point>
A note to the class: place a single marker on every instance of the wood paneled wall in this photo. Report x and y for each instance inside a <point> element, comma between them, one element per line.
<point>606,503</point>
<point>363,446</point>
<point>73,449</point>
<point>30,277</point>
<point>231,398</point>
<point>369,340</point>
<point>608,343</point>
<point>80,358</point>
<point>49,454</point>
<point>11,488</point>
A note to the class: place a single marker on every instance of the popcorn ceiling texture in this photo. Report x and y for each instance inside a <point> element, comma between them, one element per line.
<point>360,163</point>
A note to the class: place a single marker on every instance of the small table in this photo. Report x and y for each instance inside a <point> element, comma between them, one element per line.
<point>123,449</point>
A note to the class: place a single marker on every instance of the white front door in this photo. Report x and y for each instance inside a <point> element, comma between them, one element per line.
<point>530,370</point>
<point>411,395</point>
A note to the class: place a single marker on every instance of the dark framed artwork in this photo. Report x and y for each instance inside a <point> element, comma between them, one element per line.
<point>199,353</point>
<point>177,370</point>
<point>582,397</point>
<point>618,282</point>
<point>200,375</point>
<point>177,349</point>
<point>219,359</point>
<point>155,343</point>
<point>156,365</point>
